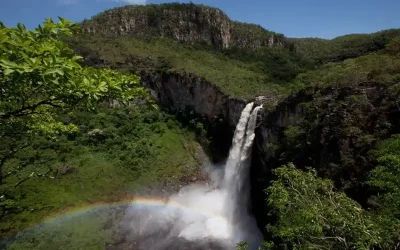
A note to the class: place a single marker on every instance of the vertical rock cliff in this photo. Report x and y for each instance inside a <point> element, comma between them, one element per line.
<point>188,23</point>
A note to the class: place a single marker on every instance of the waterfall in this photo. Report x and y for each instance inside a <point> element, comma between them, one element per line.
<point>236,178</point>
<point>201,214</point>
<point>237,144</point>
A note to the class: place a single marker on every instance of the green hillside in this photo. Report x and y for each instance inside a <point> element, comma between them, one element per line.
<point>238,72</point>
<point>78,131</point>
<point>342,47</point>
<point>64,146</point>
<point>116,153</point>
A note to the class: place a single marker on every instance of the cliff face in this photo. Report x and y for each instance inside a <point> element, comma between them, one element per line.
<point>331,130</point>
<point>183,22</point>
<point>179,91</point>
<point>194,99</point>
<point>187,91</point>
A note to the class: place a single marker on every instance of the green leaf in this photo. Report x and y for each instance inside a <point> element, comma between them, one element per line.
<point>33,60</point>
<point>3,38</point>
<point>8,64</point>
<point>8,71</point>
<point>77,58</point>
<point>21,27</point>
<point>54,71</point>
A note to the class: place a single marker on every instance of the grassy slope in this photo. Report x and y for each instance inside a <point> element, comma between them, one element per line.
<point>244,73</point>
<point>235,77</point>
<point>379,67</point>
<point>138,149</point>
<point>343,47</point>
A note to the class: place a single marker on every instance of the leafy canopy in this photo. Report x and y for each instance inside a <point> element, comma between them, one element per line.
<point>39,73</point>
<point>386,176</point>
<point>385,180</point>
<point>311,215</point>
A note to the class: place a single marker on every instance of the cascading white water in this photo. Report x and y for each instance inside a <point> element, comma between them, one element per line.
<point>236,178</point>
<point>221,208</point>
<point>237,143</point>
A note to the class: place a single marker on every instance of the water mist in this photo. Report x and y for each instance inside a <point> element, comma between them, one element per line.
<point>204,216</point>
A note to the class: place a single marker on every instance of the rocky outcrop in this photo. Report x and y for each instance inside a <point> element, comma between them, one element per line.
<point>190,23</point>
<point>181,91</point>
<point>194,100</point>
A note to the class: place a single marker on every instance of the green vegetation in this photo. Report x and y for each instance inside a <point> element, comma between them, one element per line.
<point>310,214</point>
<point>378,67</point>
<point>114,154</point>
<point>245,71</point>
<point>233,76</point>
<point>385,180</point>
<point>342,134</point>
<point>238,72</point>
<point>73,136</point>
<point>165,20</point>
<point>343,47</point>
<point>39,73</point>
<point>63,146</point>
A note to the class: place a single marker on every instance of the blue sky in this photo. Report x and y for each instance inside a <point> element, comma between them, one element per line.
<point>294,18</point>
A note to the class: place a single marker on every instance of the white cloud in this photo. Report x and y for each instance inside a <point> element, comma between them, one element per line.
<point>132,1</point>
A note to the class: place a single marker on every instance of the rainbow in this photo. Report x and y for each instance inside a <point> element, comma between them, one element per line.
<point>138,201</point>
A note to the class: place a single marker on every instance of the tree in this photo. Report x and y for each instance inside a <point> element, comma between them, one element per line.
<point>385,179</point>
<point>394,46</point>
<point>40,76</point>
<point>311,215</point>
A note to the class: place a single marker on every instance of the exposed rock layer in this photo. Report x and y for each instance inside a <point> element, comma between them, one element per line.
<point>188,23</point>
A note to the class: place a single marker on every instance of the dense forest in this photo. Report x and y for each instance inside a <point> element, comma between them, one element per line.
<point>77,126</point>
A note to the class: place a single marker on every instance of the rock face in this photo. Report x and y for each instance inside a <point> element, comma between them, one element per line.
<point>187,91</point>
<point>188,95</point>
<point>194,99</point>
<point>188,23</point>
<point>333,131</point>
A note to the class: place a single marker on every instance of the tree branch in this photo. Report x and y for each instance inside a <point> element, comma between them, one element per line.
<point>7,156</point>
<point>3,196</point>
<point>31,109</point>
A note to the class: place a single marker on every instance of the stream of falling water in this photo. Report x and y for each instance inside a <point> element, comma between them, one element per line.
<point>203,216</point>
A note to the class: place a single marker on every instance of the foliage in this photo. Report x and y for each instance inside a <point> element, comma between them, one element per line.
<point>108,154</point>
<point>155,13</point>
<point>54,153</point>
<point>233,76</point>
<point>376,67</point>
<point>39,73</point>
<point>280,64</point>
<point>394,46</point>
<point>169,19</point>
<point>386,175</point>
<point>311,215</point>
<point>39,76</point>
<point>385,179</point>
<point>293,136</point>
<point>114,154</point>
<point>343,47</point>
<point>243,245</point>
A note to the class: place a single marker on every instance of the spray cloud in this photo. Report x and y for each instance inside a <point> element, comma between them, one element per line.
<point>207,216</point>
